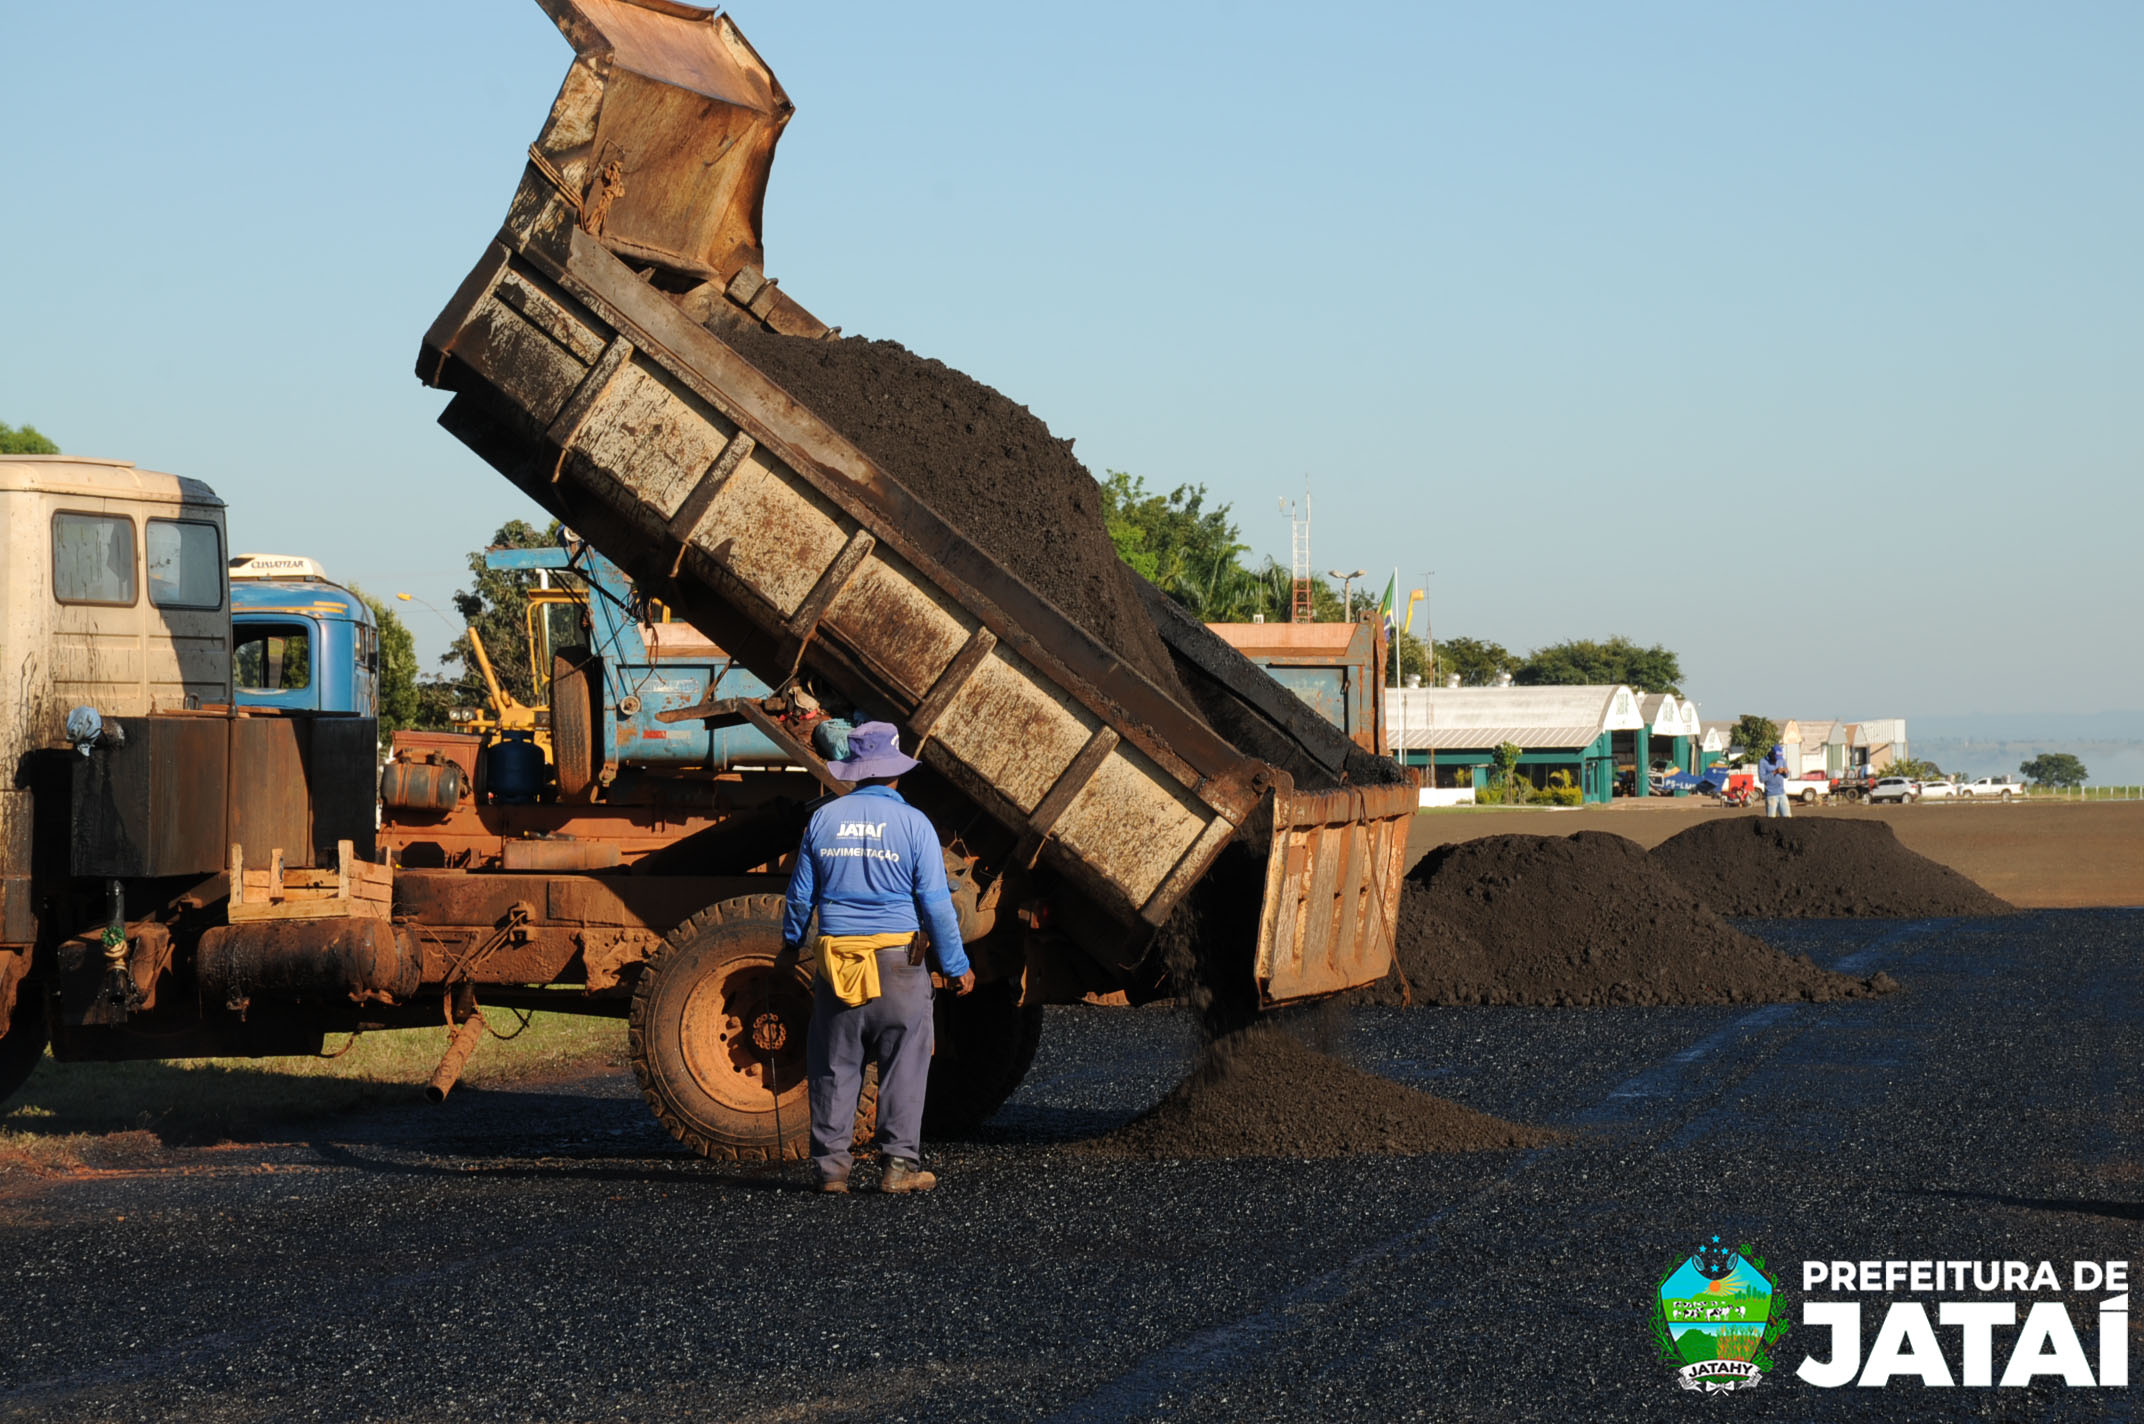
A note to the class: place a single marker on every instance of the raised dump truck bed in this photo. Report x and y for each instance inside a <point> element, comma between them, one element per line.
<point>584,354</point>
<point>654,439</point>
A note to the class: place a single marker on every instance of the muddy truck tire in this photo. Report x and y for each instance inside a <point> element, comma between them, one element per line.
<point>986,1042</point>
<point>716,1037</point>
<point>22,1038</point>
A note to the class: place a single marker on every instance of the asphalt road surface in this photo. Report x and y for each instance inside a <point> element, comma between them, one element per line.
<point>551,1255</point>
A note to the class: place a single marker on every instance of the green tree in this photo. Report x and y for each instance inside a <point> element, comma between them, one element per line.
<point>496,606</point>
<point>1618,660</point>
<point>1505,785</point>
<point>1753,734</point>
<point>1414,657</point>
<point>24,440</point>
<point>399,707</point>
<point>1192,553</point>
<point>2055,769</point>
<point>1478,661</point>
<point>1913,769</point>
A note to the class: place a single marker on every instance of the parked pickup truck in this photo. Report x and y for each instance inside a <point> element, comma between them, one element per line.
<point>1997,786</point>
<point>1810,787</point>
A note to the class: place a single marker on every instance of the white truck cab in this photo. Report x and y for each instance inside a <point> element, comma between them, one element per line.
<point>112,595</point>
<point>113,591</point>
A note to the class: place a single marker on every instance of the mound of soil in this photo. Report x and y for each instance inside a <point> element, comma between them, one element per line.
<point>1584,920</point>
<point>1264,1093</point>
<point>1816,868</point>
<point>985,464</point>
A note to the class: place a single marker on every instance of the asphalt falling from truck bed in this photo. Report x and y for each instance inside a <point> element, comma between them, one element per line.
<point>1258,1088</point>
<point>1816,868</point>
<point>985,464</point>
<point>1263,1092</point>
<point>1583,920</point>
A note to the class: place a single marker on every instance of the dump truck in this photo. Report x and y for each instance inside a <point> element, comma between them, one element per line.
<point>1101,833</point>
<point>587,364</point>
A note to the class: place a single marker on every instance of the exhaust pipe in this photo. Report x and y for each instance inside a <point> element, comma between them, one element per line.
<point>467,1035</point>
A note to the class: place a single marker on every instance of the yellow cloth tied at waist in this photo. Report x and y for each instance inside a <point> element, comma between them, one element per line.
<point>849,963</point>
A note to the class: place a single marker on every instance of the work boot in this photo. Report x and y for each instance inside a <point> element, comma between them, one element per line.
<point>830,1186</point>
<point>903,1175</point>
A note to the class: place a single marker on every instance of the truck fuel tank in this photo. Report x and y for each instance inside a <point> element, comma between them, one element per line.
<point>348,959</point>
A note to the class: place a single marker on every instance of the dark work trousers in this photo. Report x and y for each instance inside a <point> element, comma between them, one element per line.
<point>896,1030</point>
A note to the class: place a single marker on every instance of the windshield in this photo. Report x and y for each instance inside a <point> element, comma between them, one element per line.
<point>272,657</point>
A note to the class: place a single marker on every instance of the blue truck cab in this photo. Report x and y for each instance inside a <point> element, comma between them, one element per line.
<point>300,642</point>
<point>635,666</point>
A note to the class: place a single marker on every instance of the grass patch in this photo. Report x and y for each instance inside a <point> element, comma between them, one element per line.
<point>194,1101</point>
<point>1480,807</point>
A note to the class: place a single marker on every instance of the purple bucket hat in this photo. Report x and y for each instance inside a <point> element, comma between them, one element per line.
<point>874,751</point>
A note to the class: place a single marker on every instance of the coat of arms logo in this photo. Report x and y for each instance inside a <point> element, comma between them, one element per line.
<point>1715,1317</point>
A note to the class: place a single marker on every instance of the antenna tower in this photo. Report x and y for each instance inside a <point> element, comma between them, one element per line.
<point>1300,607</point>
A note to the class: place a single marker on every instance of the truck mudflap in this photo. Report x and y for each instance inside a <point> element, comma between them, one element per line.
<point>1332,889</point>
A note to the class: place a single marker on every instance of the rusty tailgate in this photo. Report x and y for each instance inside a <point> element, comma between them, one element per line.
<point>1332,892</point>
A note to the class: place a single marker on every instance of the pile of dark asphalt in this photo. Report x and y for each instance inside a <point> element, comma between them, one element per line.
<point>1816,868</point>
<point>1588,919</point>
<point>984,463</point>
<point>549,1254</point>
<point>1269,1091</point>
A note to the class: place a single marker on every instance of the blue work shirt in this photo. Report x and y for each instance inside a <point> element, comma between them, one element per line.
<point>870,864</point>
<point>1775,775</point>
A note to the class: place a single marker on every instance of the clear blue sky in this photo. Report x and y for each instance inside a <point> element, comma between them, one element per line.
<point>1617,317</point>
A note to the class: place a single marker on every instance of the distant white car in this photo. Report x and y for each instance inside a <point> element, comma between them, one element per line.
<point>1935,790</point>
<point>1998,786</point>
<point>1894,790</point>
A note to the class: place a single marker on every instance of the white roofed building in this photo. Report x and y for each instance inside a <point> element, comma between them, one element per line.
<point>1877,743</point>
<point>1457,730</point>
<point>1671,733</point>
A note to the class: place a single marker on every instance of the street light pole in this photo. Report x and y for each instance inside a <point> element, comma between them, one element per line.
<point>422,603</point>
<point>1347,602</point>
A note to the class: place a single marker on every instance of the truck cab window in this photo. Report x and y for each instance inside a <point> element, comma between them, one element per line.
<point>272,657</point>
<point>93,558</point>
<point>185,560</point>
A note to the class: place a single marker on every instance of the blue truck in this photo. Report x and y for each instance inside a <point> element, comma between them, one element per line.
<point>610,664</point>
<point>615,762</point>
<point>299,641</point>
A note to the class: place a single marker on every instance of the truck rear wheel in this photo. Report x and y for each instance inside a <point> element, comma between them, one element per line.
<point>717,1037</point>
<point>986,1042</point>
<point>22,1038</point>
<point>573,725</point>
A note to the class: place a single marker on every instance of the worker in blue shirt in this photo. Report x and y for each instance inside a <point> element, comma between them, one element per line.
<point>871,868</point>
<point>1774,770</point>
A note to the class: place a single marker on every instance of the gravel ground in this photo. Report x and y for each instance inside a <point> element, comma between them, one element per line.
<point>550,1255</point>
